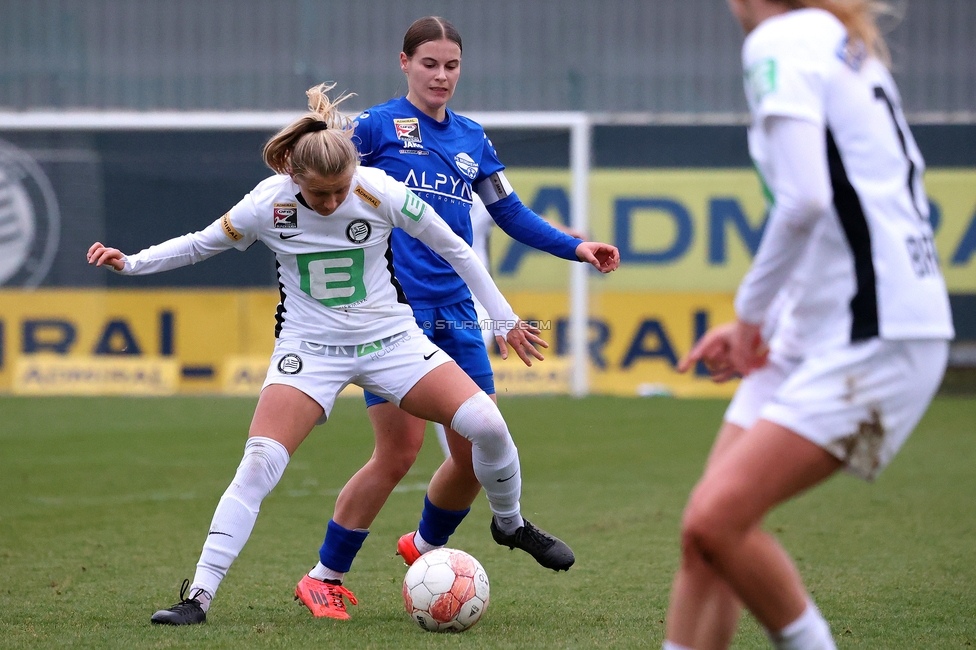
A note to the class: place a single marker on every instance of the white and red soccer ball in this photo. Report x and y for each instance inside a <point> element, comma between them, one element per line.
<point>446,590</point>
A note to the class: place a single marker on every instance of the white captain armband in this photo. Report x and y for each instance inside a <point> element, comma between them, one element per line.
<point>494,188</point>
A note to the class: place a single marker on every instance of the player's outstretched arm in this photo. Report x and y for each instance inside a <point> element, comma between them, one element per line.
<point>604,257</point>
<point>100,255</point>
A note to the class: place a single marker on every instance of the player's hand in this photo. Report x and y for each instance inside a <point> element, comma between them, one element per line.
<point>748,352</point>
<point>603,257</point>
<point>712,350</point>
<point>523,338</point>
<point>99,255</point>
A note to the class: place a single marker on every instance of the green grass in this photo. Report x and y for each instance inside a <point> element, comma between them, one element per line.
<point>104,504</point>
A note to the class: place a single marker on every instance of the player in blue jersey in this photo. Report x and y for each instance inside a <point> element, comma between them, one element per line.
<point>446,159</point>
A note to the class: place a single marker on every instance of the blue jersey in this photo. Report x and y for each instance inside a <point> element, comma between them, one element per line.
<point>442,162</point>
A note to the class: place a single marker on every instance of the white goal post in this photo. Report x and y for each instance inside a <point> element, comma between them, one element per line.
<point>578,124</point>
<point>580,159</point>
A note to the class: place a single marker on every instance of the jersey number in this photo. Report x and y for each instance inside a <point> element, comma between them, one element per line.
<point>879,93</point>
<point>334,278</point>
<point>921,249</point>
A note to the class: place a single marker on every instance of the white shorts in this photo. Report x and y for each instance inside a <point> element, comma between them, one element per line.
<point>389,367</point>
<point>757,389</point>
<point>859,402</point>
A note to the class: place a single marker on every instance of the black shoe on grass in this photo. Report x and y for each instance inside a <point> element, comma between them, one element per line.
<point>551,552</point>
<point>188,611</point>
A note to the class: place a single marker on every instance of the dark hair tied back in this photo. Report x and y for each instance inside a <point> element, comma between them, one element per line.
<point>424,30</point>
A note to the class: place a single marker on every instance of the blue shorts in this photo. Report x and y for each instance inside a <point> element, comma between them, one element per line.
<point>455,330</point>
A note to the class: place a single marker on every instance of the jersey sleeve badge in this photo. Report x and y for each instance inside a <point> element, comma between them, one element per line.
<point>761,79</point>
<point>852,53</point>
<point>229,229</point>
<point>413,206</point>
<point>366,196</point>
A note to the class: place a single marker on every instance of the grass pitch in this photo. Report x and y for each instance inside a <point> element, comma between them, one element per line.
<point>105,503</point>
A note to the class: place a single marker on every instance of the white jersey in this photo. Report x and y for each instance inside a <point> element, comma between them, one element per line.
<point>335,272</point>
<point>481,227</point>
<point>870,268</point>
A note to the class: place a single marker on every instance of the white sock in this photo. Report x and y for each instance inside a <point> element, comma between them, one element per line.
<point>442,439</point>
<point>494,455</point>
<point>322,572</point>
<point>202,595</point>
<point>671,645</point>
<point>808,632</point>
<point>423,546</point>
<point>260,470</point>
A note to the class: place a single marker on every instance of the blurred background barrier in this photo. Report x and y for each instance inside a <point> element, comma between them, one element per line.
<point>131,122</point>
<point>615,56</point>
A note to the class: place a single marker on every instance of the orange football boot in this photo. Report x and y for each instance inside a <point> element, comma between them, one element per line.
<point>324,599</point>
<point>407,549</point>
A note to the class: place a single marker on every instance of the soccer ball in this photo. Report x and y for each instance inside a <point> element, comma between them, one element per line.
<point>446,590</point>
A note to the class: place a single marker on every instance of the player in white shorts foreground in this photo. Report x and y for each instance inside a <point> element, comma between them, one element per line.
<point>847,281</point>
<point>342,319</point>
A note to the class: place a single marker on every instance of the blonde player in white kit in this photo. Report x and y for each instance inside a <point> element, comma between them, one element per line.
<point>342,319</point>
<point>847,278</point>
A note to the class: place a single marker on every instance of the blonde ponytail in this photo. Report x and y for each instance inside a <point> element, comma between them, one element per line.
<point>319,142</point>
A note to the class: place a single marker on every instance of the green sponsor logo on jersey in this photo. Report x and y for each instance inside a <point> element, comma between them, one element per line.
<point>761,79</point>
<point>414,206</point>
<point>369,348</point>
<point>334,278</point>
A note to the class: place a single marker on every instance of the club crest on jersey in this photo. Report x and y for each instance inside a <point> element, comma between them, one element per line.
<point>467,165</point>
<point>285,215</point>
<point>290,364</point>
<point>408,131</point>
<point>358,231</point>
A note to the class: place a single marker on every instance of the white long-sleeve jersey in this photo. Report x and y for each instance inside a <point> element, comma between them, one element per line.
<point>848,237</point>
<point>336,275</point>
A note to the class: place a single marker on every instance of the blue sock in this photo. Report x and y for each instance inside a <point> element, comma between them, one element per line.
<point>437,525</point>
<point>340,547</point>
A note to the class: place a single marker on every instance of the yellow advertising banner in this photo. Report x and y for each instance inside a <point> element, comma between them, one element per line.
<point>47,375</point>
<point>635,340</point>
<point>696,229</point>
<point>196,329</point>
<point>191,341</point>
